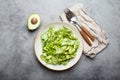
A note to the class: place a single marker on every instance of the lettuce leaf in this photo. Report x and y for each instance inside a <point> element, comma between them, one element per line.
<point>59,47</point>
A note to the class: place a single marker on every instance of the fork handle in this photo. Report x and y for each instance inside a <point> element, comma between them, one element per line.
<point>88,33</point>
<point>85,38</point>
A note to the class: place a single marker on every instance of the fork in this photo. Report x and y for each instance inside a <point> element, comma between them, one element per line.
<point>72,18</point>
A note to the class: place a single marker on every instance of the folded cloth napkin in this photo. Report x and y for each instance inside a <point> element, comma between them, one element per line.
<point>100,42</point>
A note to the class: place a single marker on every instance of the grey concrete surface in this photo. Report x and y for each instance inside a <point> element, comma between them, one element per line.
<point>17,59</point>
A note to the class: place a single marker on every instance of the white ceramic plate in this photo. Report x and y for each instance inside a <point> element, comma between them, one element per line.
<point>38,46</point>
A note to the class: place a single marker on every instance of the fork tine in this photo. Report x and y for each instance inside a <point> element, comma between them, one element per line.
<point>69,14</point>
<point>67,10</point>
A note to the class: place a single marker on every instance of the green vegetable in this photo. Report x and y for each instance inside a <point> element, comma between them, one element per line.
<point>59,47</point>
<point>34,21</point>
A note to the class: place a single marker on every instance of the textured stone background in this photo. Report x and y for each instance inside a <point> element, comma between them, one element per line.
<point>17,59</point>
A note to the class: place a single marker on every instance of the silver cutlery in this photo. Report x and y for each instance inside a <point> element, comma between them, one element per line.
<point>72,18</point>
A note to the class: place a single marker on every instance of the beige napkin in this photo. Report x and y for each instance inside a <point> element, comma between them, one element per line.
<point>100,42</point>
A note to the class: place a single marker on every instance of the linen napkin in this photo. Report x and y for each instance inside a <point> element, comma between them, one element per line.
<point>100,42</point>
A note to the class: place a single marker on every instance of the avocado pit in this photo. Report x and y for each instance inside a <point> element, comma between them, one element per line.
<point>34,20</point>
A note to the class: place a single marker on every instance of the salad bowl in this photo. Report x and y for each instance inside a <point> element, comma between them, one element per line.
<point>38,45</point>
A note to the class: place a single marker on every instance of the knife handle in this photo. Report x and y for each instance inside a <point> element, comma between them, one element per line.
<point>88,33</point>
<point>85,38</point>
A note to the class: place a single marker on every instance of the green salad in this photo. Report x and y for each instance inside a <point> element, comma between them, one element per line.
<point>59,46</point>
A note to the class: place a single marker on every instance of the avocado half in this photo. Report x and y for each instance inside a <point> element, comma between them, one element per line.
<point>34,21</point>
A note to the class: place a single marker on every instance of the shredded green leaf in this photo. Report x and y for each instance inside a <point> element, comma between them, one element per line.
<point>59,47</point>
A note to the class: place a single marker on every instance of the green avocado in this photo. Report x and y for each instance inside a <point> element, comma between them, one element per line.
<point>34,21</point>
